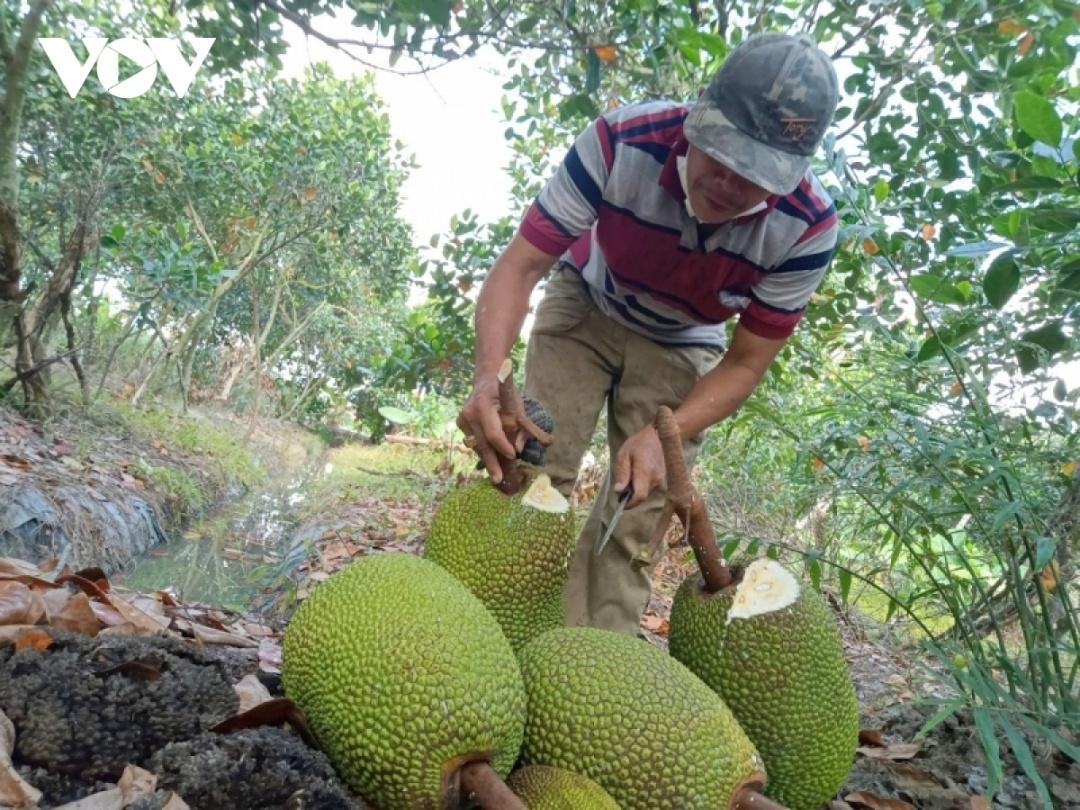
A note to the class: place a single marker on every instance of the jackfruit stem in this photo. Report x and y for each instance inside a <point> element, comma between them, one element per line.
<point>689,505</point>
<point>747,798</point>
<point>514,422</point>
<point>480,781</point>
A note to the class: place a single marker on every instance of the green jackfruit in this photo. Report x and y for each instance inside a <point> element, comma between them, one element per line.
<point>634,720</point>
<point>404,676</point>
<point>771,649</point>
<point>513,552</point>
<point>544,788</point>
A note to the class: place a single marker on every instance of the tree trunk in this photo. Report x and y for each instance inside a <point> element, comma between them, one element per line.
<point>34,319</point>
<point>259,340</point>
<point>230,380</point>
<point>184,347</point>
<point>310,390</point>
<point>16,60</point>
<point>256,358</point>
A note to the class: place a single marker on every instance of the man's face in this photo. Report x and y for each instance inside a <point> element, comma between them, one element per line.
<point>718,194</point>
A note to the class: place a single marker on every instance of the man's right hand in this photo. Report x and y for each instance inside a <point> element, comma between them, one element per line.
<point>479,421</point>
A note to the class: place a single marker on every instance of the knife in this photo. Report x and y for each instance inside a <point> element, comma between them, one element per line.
<point>623,498</point>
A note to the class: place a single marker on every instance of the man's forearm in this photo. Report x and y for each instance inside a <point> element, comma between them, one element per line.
<point>500,312</point>
<point>503,303</point>
<point>715,397</point>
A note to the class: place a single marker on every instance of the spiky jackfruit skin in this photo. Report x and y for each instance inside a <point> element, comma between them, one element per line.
<point>401,673</point>
<point>786,680</point>
<point>514,557</point>
<point>634,720</point>
<point>544,788</point>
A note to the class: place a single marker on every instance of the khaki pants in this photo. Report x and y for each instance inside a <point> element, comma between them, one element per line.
<point>578,360</point>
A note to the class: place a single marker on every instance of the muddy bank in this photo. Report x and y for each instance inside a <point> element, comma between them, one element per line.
<point>86,496</point>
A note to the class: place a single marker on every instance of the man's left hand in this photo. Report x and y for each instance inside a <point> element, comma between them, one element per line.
<point>640,462</point>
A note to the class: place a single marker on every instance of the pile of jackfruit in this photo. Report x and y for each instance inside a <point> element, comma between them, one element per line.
<point>411,668</point>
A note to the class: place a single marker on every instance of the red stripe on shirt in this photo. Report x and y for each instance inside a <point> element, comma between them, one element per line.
<point>648,260</point>
<point>808,188</point>
<point>544,234</point>
<point>817,228</point>
<point>768,323</point>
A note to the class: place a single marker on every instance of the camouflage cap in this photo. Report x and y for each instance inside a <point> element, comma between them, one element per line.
<point>766,110</point>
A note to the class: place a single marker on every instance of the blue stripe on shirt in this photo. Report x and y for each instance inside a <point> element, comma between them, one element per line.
<point>800,194</point>
<point>643,222</point>
<point>789,209</point>
<point>633,302</point>
<point>659,338</point>
<point>581,177</point>
<point>658,151</point>
<point>811,261</point>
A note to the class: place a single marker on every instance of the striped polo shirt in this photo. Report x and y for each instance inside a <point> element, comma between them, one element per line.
<point>615,212</point>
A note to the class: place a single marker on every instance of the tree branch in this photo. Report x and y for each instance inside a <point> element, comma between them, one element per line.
<point>189,209</point>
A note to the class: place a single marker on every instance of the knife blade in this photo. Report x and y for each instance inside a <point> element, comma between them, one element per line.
<point>619,508</point>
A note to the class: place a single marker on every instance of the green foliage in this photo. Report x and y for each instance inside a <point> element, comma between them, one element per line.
<point>182,489</point>
<point>236,463</point>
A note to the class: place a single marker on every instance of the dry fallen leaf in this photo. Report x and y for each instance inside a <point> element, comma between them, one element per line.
<point>209,635</point>
<point>55,600</point>
<point>174,802</point>
<point>875,802</point>
<point>77,616</point>
<point>105,800</point>
<point>894,751</point>
<point>9,633</point>
<point>19,604</point>
<point>136,615</point>
<point>272,712</point>
<point>136,783</point>
<point>979,803</point>
<point>655,624</point>
<point>269,655</point>
<point>872,737</point>
<point>14,790</point>
<point>33,637</point>
<point>251,692</point>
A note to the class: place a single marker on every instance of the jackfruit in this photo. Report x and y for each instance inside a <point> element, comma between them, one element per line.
<point>512,551</point>
<point>404,676</point>
<point>634,720</point>
<point>771,649</point>
<point>544,788</point>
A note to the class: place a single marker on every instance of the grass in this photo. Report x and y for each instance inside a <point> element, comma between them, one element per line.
<point>385,471</point>
<point>182,490</point>
<point>229,452</point>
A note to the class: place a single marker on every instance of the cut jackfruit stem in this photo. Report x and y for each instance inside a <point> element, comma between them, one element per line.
<point>766,587</point>
<point>748,798</point>
<point>543,496</point>
<point>482,783</point>
<point>689,505</point>
<point>514,422</point>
